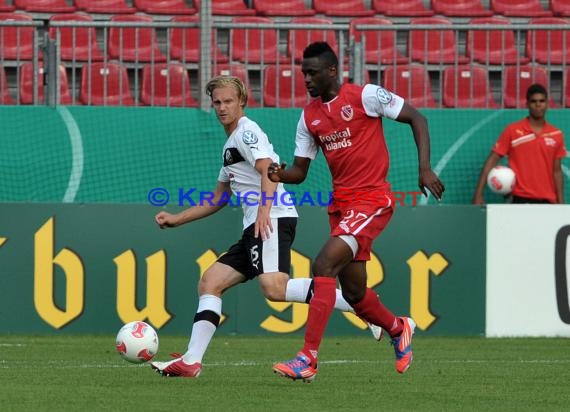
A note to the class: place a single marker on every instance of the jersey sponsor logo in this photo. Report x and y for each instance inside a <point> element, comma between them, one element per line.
<point>336,135</point>
<point>339,139</point>
<point>383,95</point>
<point>249,137</point>
<point>346,112</point>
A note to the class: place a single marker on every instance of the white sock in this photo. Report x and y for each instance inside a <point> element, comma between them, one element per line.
<point>202,330</point>
<point>299,290</point>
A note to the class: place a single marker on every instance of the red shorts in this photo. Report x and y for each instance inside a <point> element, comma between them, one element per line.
<point>364,221</point>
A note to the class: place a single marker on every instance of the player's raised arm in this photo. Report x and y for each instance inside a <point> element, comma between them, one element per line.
<point>222,194</point>
<point>418,122</point>
<point>295,174</point>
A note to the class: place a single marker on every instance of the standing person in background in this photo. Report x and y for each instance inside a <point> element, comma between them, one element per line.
<point>264,250</point>
<point>345,122</point>
<point>535,149</point>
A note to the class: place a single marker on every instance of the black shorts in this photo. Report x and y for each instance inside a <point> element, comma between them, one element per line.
<point>252,256</point>
<point>518,200</point>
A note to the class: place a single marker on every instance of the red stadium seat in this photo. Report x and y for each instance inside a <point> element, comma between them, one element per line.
<point>77,43</point>
<point>493,46</point>
<point>403,8</point>
<point>379,45</point>
<point>166,85</point>
<point>548,46</point>
<point>300,38</point>
<point>411,82</point>
<point>347,79</point>
<point>349,8</point>
<point>184,43</point>
<point>240,71</point>
<point>255,45</point>
<point>228,8</point>
<point>516,81</point>
<point>105,84</point>
<point>284,86</point>
<point>105,6</point>
<point>5,97</point>
<point>460,8</point>
<point>164,7</point>
<point>560,7</point>
<point>4,7</point>
<point>16,43</point>
<point>467,87</point>
<point>282,8</point>
<point>433,46</point>
<point>134,44</point>
<point>519,8</point>
<point>27,84</point>
<point>44,6</point>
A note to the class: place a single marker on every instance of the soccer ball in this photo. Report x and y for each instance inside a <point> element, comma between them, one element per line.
<point>137,342</point>
<point>501,180</point>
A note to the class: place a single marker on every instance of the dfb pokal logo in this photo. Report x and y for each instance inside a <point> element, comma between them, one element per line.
<point>249,137</point>
<point>383,95</point>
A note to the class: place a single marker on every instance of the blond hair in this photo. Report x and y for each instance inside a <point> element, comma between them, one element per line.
<point>228,81</point>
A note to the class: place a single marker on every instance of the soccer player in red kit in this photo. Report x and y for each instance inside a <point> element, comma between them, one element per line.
<point>345,122</point>
<point>535,149</point>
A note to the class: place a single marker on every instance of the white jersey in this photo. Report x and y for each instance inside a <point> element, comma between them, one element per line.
<point>244,146</point>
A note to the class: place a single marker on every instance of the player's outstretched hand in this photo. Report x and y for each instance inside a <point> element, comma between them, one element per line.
<point>273,171</point>
<point>429,180</point>
<point>164,219</point>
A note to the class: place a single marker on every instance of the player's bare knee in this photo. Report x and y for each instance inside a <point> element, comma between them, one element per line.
<point>352,297</point>
<point>273,286</point>
<point>321,267</point>
<point>209,285</point>
<point>274,294</point>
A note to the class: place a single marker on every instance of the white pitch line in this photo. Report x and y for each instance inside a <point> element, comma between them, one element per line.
<point>76,154</point>
<point>57,365</point>
<point>456,146</point>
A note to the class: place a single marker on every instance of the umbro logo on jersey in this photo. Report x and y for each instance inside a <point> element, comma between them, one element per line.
<point>315,122</point>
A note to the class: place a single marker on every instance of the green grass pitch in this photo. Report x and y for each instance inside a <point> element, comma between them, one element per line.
<point>83,373</point>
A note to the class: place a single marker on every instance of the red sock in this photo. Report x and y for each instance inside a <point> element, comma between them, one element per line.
<point>373,311</point>
<point>320,309</point>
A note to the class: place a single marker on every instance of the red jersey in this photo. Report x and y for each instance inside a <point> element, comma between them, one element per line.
<point>348,129</point>
<point>532,157</point>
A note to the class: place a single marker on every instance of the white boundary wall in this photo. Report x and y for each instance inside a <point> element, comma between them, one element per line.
<point>521,276</point>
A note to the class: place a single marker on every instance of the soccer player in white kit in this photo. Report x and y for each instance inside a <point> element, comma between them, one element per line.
<point>270,218</point>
